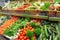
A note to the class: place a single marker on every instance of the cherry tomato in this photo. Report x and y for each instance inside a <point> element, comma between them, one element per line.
<point>27,39</point>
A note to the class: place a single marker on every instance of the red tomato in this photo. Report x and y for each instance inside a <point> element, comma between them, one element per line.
<point>18,37</point>
<point>32,30</point>
<point>21,33</point>
<point>21,37</point>
<point>24,31</point>
<point>27,39</point>
<point>24,34</point>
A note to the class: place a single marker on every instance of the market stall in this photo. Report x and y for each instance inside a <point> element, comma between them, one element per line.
<point>30,20</point>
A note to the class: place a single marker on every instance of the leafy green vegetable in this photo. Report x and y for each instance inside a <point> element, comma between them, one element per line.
<point>14,28</point>
<point>32,38</point>
<point>27,1</point>
<point>30,34</point>
<point>24,23</point>
<point>37,31</point>
<point>58,1</point>
<point>45,6</point>
<point>35,24</point>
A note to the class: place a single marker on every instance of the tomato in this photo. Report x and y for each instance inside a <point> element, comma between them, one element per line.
<point>23,7</point>
<point>24,34</point>
<point>28,27</point>
<point>27,39</point>
<point>2,32</point>
<point>24,31</point>
<point>32,30</point>
<point>18,37</point>
<point>25,28</point>
<point>21,33</point>
<point>21,37</point>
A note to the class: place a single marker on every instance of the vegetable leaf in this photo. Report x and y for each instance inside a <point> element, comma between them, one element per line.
<point>37,31</point>
<point>30,34</point>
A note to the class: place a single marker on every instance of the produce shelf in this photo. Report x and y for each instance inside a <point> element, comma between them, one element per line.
<point>22,14</point>
<point>30,14</point>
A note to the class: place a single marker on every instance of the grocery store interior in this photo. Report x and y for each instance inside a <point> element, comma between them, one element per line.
<point>29,19</point>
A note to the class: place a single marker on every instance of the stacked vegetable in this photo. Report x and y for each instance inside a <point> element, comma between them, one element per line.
<point>27,29</point>
<point>26,33</point>
<point>34,31</point>
<point>35,5</point>
<point>7,24</point>
<point>49,31</point>
<point>13,30</point>
<point>30,32</point>
<point>23,7</point>
<point>12,5</point>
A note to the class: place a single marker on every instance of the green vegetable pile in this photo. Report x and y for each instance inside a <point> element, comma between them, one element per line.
<point>14,28</point>
<point>35,24</point>
<point>50,31</point>
<point>47,31</point>
<point>45,6</point>
<point>37,31</point>
<point>58,1</point>
<point>30,34</point>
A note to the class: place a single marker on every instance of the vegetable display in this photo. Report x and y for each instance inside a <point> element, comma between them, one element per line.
<point>27,33</point>
<point>7,24</point>
<point>36,5</point>
<point>45,6</point>
<point>30,29</point>
<point>15,27</point>
<point>47,31</point>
